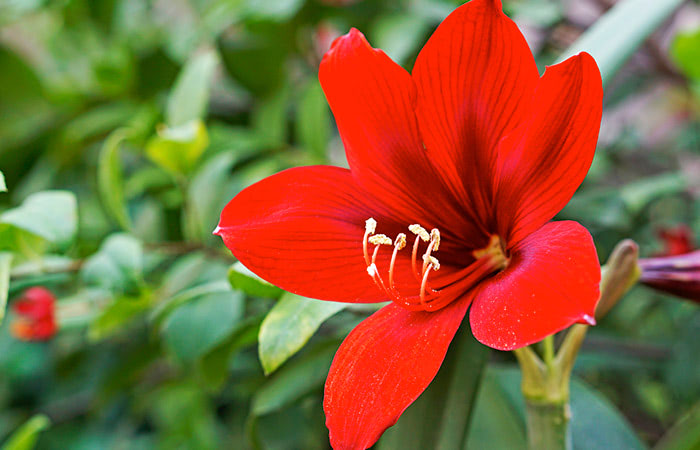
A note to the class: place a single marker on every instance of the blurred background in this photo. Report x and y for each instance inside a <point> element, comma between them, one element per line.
<point>126,126</point>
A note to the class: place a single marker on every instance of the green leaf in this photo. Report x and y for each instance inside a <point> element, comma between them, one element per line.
<point>201,324</point>
<point>314,120</point>
<point>499,417</point>
<point>3,186</point>
<point>242,279</point>
<point>190,95</point>
<point>596,423</point>
<point>182,274</point>
<point>110,183</point>
<point>449,401</point>
<point>50,215</point>
<point>616,35</point>
<point>177,149</point>
<point>92,125</point>
<point>289,325</point>
<point>296,379</point>
<point>184,416</point>
<point>117,265</point>
<point>270,119</point>
<point>5,264</point>
<point>400,35</point>
<point>165,307</point>
<point>542,13</point>
<point>26,110</point>
<point>213,367</point>
<point>204,203</point>
<point>685,434</point>
<point>118,315</point>
<point>275,10</point>
<point>256,61</point>
<point>26,436</point>
<point>685,52</point>
<point>640,193</point>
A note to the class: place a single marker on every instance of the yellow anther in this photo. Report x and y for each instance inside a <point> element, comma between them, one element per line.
<point>433,261</point>
<point>400,241</point>
<point>419,231</point>
<point>435,237</point>
<point>370,225</point>
<point>380,239</point>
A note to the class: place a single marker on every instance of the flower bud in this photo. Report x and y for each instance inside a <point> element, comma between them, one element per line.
<point>619,274</point>
<point>35,315</point>
<point>678,275</point>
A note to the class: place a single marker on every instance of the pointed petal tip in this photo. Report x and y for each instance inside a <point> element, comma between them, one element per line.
<point>588,319</point>
<point>217,231</point>
<point>353,35</point>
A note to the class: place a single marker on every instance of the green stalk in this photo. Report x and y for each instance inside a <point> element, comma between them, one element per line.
<point>545,386</point>
<point>548,425</point>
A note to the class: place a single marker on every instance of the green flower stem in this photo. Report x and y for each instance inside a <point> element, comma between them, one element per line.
<point>545,381</point>
<point>548,425</point>
<point>546,391</point>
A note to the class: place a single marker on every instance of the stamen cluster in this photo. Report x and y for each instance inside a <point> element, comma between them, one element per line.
<point>488,260</point>
<point>427,296</point>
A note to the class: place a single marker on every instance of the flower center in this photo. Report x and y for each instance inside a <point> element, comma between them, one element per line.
<point>494,250</point>
<point>489,259</point>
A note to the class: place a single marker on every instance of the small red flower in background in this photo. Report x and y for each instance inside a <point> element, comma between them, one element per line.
<point>677,240</point>
<point>677,269</point>
<point>471,156</point>
<point>36,315</point>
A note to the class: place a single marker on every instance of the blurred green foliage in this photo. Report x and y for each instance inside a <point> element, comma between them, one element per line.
<point>126,127</point>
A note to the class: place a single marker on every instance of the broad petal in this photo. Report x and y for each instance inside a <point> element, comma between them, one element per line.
<point>302,230</point>
<point>552,281</point>
<point>475,79</point>
<point>373,100</point>
<point>383,365</point>
<point>543,162</point>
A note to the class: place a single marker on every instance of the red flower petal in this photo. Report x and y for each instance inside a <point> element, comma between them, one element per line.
<point>552,281</point>
<point>383,365</point>
<point>542,163</point>
<point>302,230</point>
<point>475,79</point>
<point>373,100</point>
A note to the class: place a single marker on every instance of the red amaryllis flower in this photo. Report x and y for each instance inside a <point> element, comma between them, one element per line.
<point>455,172</point>
<point>36,315</point>
<point>678,275</point>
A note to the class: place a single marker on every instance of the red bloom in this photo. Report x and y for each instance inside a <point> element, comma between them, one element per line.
<point>678,274</point>
<point>36,315</point>
<point>677,240</point>
<point>474,146</point>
